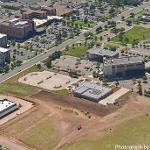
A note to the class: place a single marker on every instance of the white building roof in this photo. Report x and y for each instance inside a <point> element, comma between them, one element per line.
<point>2,35</point>
<point>4,104</point>
<point>92,90</point>
<point>3,50</point>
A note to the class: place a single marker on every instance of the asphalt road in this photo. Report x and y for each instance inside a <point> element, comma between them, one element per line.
<point>61,47</point>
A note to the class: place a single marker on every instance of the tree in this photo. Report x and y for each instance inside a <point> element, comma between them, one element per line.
<point>99,30</point>
<point>18,63</point>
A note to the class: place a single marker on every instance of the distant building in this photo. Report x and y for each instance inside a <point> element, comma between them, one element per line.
<point>49,10</point>
<point>97,54</point>
<point>3,40</point>
<point>7,107</point>
<point>92,91</point>
<point>38,12</point>
<point>12,5</point>
<point>125,66</point>
<point>30,14</point>
<point>17,28</point>
<point>4,56</point>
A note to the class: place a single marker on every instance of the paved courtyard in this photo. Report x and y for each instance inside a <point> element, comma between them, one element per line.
<point>48,80</point>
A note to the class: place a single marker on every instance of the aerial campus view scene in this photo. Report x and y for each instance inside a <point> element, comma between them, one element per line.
<point>74,74</point>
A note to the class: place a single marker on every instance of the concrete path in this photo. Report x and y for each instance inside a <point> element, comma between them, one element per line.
<point>113,97</point>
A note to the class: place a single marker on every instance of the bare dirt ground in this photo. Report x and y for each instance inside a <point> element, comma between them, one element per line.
<point>103,119</point>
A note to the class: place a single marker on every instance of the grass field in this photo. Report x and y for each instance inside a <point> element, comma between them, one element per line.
<point>62,92</point>
<point>136,33</point>
<point>43,136</point>
<point>136,131</point>
<point>12,86</point>
<point>76,51</point>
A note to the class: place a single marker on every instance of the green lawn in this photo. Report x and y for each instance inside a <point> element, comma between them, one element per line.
<point>62,92</point>
<point>12,86</point>
<point>111,46</point>
<point>76,51</point>
<point>81,24</point>
<point>43,136</point>
<point>136,33</point>
<point>136,131</point>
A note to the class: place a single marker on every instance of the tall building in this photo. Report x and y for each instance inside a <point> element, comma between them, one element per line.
<point>4,56</point>
<point>125,66</point>
<point>3,40</point>
<point>17,28</point>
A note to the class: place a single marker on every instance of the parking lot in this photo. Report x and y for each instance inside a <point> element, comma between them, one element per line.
<point>66,63</point>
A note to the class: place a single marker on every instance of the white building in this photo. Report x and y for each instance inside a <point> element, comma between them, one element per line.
<point>4,56</point>
<point>3,40</point>
<point>7,107</point>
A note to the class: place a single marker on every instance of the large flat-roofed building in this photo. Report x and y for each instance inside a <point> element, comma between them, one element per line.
<point>97,54</point>
<point>4,56</point>
<point>12,5</point>
<point>39,12</point>
<point>92,91</point>
<point>3,40</point>
<point>125,66</point>
<point>30,14</point>
<point>7,107</point>
<point>17,28</point>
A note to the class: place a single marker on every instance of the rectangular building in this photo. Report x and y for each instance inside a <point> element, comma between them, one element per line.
<point>125,66</point>
<point>4,56</point>
<point>12,5</point>
<point>3,40</point>
<point>92,91</point>
<point>7,107</point>
<point>17,28</point>
<point>97,54</point>
<point>30,14</point>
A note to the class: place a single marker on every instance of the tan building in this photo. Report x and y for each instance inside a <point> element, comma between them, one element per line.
<point>125,66</point>
<point>3,40</point>
<point>38,12</point>
<point>12,5</point>
<point>17,28</point>
<point>30,14</point>
<point>50,11</point>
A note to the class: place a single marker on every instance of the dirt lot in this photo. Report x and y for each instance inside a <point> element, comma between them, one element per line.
<point>66,119</point>
<point>77,103</point>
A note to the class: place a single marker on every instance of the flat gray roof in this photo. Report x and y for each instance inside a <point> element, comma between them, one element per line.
<point>102,52</point>
<point>124,60</point>
<point>92,90</point>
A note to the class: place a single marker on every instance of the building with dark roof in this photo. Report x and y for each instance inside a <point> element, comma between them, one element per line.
<point>97,54</point>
